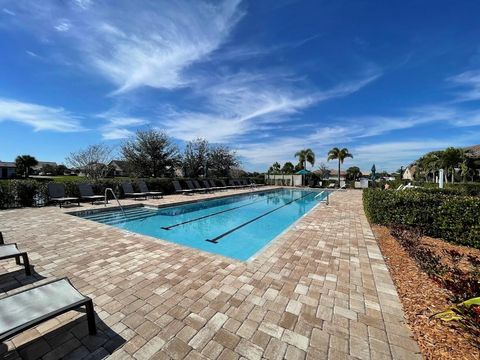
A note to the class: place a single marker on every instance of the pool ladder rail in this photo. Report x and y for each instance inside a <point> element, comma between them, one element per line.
<point>326,199</point>
<point>115,197</point>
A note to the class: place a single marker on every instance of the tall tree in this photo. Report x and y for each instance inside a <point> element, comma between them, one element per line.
<point>24,163</point>
<point>195,158</point>
<point>465,170</point>
<point>353,173</point>
<point>429,164</point>
<point>304,156</point>
<point>340,155</point>
<point>151,153</point>
<point>92,161</point>
<point>288,168</point>
<point>451,158</point>
<point>221,160</point>
<point>275,168</point>
<point>323,171</point>
<point>373,172</point>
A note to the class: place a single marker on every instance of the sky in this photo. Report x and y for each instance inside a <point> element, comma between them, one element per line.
<point>389,80</point>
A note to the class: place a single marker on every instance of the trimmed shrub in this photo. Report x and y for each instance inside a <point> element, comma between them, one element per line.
<point>451,217</point>
<point>7,195</point>
<point>25,191</point>
<point>33,192</point>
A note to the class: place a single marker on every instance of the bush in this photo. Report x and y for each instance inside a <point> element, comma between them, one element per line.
<point>30,192</point>
<point>467,189</point>
<point>7,195</point>
<point>25,191</point>
<point>450,217</point>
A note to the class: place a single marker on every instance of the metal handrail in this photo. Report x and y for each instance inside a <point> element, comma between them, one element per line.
<point>320,193</point>
<point>115,197</point>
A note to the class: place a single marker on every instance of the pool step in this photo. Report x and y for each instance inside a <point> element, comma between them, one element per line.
<point>122,219</point>
<point>114,214</point>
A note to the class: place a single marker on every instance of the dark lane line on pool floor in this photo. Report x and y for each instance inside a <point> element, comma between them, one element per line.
<point>212,214</point>
<point>215,239</point>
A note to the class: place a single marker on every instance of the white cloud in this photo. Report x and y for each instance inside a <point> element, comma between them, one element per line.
<point>247,103</point>
<point>31,53</point>
<point>117,134</point>
<point>133,46</point>
<point>387,155</point>
<point>469,80</point>
<point>39,117</point>
<point>8,12</point>
<point>63,26</point>
<point>392,155</point>
<point>83,4</point>
<point>118,126</point>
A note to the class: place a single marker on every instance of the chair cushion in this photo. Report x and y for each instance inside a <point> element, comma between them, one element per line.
<point>19,309</point>
<point>9,249</point>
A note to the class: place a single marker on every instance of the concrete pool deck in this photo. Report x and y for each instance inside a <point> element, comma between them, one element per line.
<point>320,291</point>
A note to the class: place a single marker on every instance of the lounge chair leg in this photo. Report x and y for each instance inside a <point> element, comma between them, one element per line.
<point>17,260</point>
<point>92,328</point>
<point>26,263</point>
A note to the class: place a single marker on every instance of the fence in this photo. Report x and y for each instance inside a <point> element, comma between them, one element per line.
<point>283,180</point>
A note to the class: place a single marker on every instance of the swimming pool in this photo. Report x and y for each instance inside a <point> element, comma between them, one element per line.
<point>236,226</point>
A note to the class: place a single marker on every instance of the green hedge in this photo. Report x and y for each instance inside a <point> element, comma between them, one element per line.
<point>465,189</point>
<point>34,192</point>
<point>453,218</point>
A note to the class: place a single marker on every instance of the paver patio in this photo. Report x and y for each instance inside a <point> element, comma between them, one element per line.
<point>321,290</point>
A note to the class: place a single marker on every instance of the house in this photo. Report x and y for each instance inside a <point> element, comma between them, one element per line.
<point>7,170</point>
<point>333,175</point>
<point>409,172</point>
<point>118,168</point>
<point>37,169</point>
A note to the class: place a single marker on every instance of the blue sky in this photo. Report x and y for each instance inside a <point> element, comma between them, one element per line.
<point>388,80</point>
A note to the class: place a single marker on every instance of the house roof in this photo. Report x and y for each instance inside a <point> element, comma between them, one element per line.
<point>335,173</point>
<point>120,164</point>
<point>332,172</point>
<point>411,169</point>
<point>43,163</point>
<point>473,151</point>
<point>7,164</point>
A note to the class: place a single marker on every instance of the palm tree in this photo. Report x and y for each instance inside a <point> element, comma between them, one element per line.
<point>24,163</point>
<point>304,156</point>
<point>451,158</point>
<point>341,155</point>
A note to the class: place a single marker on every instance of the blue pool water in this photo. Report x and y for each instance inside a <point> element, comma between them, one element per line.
<point>237,226</point>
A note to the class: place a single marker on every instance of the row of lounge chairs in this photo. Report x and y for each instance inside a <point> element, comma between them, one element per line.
<point>57,193</point>
<point>194,186</point>
<point>26,309</point>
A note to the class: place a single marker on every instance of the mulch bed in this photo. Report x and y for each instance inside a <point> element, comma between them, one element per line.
<point>422,297</point>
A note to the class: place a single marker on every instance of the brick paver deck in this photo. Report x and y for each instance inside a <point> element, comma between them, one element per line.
<point>320,291</point>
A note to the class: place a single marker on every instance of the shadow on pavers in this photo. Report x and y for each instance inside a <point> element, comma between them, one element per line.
<point>68,339</point>
<point>16,279</point>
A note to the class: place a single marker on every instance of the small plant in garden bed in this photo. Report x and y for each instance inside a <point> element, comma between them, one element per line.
<point>463,281</point>
<point>467,315</point>
<point>451,269</point>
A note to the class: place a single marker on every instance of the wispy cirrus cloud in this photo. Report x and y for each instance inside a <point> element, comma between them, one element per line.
<point>386,154</point>
<point>119,126</point>
<point>470,81</point>
<point>134,46</point>
<point>39,117</point>
<point>8,12</point>
<point>245,103</point>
